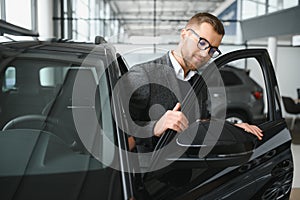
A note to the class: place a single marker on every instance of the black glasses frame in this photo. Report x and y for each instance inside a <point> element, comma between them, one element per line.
<point>212,49</point>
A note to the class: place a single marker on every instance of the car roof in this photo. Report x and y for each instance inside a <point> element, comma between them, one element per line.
<point>52,44</point>
<point>55,49</point>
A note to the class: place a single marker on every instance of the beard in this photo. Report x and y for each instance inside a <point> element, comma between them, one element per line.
<point>191,63</point>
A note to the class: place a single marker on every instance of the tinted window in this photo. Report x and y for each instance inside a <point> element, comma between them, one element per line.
<point>230,78</point>
<point>52,76</point>
<point>57,133</point>
<point>45,88</point>
<point>9,78</point>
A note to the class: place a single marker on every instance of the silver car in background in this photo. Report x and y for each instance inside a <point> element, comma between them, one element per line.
<point>243,94</point>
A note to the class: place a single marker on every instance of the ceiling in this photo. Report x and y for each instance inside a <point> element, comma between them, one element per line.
<point>161,17</point>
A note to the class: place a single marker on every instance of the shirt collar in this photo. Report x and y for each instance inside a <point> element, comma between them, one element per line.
<point>178,69</point>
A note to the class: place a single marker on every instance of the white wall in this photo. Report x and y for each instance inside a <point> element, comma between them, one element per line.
<point>288,70</point>
<point>45,15</point>
<point>19,13</point>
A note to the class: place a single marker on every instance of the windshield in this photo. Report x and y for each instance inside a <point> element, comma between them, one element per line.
<point>65,95</point>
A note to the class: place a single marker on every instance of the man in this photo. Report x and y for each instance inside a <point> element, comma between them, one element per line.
<point>160,85</point>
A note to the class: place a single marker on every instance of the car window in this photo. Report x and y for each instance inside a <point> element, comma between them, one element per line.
<point>45,88</point>
<point>83,105</point>
<point>57,133</point>
<point>91,112</point>
<point>230,79</point>
<point>51,76</point>
<point>9,79</point>
<point>245,92</point>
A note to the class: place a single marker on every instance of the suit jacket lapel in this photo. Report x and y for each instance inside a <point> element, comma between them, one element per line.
<point>171,78</point>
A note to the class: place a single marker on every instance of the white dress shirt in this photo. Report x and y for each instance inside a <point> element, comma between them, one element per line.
<point>178,69</point>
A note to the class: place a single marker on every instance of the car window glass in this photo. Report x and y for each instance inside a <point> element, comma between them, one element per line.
<point>38,89</point>
<point>106,122</point>
<point>230,78</point>
<point>9,79</point>
<point>42,140</point>
<point>52,76</point>
<point>83,105</point>
<point>245,91</point>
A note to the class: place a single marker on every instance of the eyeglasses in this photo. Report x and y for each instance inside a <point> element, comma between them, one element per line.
<point>203,44</point>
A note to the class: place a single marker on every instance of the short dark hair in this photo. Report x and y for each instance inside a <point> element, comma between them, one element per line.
<point>200,18</point>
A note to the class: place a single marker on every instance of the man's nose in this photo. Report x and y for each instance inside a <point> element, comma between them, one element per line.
<point>204,53</point>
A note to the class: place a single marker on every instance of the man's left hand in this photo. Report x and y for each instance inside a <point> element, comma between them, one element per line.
<point>251,129</point>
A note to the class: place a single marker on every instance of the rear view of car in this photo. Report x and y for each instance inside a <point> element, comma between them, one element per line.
<point>244,96</point>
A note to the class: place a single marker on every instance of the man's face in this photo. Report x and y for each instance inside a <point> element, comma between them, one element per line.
<point>195,58</point>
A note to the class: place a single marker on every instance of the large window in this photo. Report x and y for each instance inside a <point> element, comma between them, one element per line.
<point>19,13</point>
<point>83,20</point>
<point>251,8</point>
<point>9,79</point>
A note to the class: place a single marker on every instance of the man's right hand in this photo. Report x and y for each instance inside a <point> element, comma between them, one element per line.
<point>172,119</point>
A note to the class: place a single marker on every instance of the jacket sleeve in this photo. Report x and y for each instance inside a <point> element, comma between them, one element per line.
<point>137,88</point>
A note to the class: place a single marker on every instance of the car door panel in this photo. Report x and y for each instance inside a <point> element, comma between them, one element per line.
<point>44,167</point>
<point>251,179</point>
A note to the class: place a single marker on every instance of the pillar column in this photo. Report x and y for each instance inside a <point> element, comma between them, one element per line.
<point>272,48</point>
<point>45,18</point>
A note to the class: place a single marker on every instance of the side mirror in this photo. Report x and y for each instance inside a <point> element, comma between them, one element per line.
<point>213,144</point>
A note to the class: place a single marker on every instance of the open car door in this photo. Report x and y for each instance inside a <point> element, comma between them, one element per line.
<point>217,160</point>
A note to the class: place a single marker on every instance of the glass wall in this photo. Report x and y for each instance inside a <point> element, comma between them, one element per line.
<point>254,8</point>
<point>244,9</point>
<point>2,9</point>
<point>83,20</point>
<point>19,13</point>
<point>95,17</point>
<point>81,24</point>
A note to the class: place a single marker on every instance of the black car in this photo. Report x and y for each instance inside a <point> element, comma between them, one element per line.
<point>63,134</point>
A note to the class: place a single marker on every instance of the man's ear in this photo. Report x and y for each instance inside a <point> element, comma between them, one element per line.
<point>183,34</point>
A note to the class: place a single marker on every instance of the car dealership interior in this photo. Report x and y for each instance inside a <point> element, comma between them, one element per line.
<point>143,30</point>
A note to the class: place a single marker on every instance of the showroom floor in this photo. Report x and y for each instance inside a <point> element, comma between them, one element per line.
<point>296,157</point>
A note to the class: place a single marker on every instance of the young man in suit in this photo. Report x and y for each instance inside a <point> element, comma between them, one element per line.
<point>160,85</point>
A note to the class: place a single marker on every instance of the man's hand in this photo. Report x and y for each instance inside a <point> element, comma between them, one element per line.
<point>172,119</point>
<point>251,129</point>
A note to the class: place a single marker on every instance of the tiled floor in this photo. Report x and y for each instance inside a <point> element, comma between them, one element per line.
<point>295,195</point>
<point>296,158</point>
